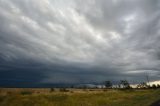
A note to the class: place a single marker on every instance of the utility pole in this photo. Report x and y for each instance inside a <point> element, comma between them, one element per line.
<point>147,78</point>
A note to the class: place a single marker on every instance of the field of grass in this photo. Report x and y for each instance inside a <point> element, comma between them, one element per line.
<point>77,97</point>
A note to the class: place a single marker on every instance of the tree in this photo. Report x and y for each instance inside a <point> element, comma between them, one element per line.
<point>125,84</point>
<point>142,85</point>
<point>108,84</point>
<point>158,86</point>
<point>154,86</point>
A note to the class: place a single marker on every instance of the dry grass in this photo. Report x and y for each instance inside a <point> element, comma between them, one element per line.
<point>77,97</point>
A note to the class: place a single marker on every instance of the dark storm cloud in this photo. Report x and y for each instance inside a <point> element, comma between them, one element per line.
<point>79,41</point>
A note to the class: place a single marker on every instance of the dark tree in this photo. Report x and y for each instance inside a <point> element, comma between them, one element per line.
<point>154,86</point>
<point>108,84</point>
<point>125,84</point>
<point>158,86</point>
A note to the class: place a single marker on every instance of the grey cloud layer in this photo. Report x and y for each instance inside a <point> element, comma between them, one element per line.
<point>80,41</point>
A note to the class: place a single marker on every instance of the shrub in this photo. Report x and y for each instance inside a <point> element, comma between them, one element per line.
<point>9,93</point>
<point>2,98</point>
<point>26,93</point>
<point>52,89</point>
<point>63,90</point>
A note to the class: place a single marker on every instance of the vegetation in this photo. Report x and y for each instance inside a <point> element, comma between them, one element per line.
<point>142,85</point>
<point>63,90</point>
<point>125,84</point>
<point>108,84</point>
<point>52,89</point>
<point>79,97</point>
<point>143,95</point>
<point>25,92</point>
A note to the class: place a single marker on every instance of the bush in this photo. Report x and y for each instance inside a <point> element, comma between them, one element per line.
<point>52,89</point>
<point>63,90</point>
<point>9,93</point>
<point>26,93</point>
<point>2,98</point>
<point>105,90</point>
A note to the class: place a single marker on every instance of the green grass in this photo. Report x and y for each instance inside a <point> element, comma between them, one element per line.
<point>81,98</point>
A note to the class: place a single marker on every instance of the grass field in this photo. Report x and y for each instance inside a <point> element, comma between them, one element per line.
<point>77,97</point>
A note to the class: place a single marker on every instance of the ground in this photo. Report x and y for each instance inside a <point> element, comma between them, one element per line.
<point>77,97</point>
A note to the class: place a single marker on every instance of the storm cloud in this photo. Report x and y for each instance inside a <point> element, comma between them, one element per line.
<point>77,41</point>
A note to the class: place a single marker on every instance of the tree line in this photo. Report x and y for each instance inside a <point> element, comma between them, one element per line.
<point>126,85</point>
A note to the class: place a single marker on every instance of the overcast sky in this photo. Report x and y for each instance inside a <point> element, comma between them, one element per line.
<point>79,41</point>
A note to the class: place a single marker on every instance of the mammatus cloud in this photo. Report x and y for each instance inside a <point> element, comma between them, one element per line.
<point>79,41</point>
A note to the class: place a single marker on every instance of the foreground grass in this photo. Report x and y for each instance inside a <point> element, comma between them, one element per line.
<point>79,98</point>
